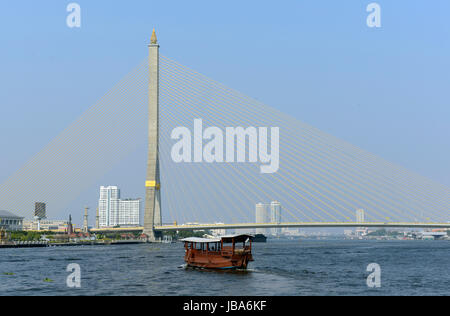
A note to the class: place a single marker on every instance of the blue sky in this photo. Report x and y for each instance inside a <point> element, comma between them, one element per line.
<point>385,90</point>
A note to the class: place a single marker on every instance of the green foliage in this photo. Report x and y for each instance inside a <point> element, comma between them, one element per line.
<point>383,232</point>
<point>29,236</point>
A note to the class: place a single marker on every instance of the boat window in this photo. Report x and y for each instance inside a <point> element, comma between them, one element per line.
<point>199,246</point>
<point>214,247</point>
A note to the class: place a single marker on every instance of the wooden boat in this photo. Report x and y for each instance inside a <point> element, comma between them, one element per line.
<point>226,252</point>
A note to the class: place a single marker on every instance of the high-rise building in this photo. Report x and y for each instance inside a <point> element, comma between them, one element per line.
<point>40,210</point>
<point>262,216</point>
<point>108,205</point>
<point>360,217</point>
<point>114,211</point>
<point>275,216</point>
<point>129,212</point>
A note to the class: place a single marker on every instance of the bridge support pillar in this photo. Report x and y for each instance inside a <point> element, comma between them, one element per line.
<point>154,236</point>
<point>152,215</point>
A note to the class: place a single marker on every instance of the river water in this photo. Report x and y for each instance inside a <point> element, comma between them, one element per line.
<point>281,267</point>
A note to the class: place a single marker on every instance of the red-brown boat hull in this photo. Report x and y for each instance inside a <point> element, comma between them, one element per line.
<point>217,260</point>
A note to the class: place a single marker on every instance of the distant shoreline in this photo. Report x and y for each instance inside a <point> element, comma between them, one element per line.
<point>70,244</point>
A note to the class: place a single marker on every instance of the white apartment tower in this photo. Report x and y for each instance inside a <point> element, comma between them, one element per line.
<point>114,211</point>
<point>275,216</point>
<point>129,212</point>
<point>108,205</point>
<point>360,217</point>
<point>262,216</point>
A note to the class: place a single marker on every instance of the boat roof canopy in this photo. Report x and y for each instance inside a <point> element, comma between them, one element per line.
<point>237,238</point>
<point>200,240</point>
<point>226,239</point>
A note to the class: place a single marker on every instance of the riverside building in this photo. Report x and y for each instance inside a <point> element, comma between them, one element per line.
<point>114,211</point>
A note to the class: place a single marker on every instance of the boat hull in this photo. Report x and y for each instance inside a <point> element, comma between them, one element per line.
<point>217,261</point>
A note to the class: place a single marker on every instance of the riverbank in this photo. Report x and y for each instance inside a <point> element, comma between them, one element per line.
<point>41,244</point>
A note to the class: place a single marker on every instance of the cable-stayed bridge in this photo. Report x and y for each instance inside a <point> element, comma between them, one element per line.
<point>320,182</point>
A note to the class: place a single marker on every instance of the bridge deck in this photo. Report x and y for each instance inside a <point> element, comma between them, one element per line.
<point>301,224</point>
<point>274,225</point>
